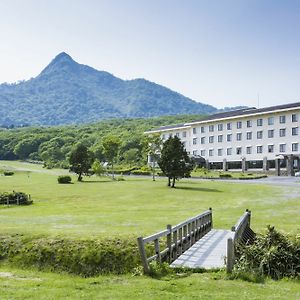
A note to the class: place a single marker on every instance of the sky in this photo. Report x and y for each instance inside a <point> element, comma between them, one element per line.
<point>219,52</point>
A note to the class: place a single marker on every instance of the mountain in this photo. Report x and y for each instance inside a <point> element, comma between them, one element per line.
<point>67,92</point>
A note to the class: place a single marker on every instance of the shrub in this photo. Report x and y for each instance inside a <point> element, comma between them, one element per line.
<point>82,257</point>
<point>120,178</point>
<point>140,172</point>
<point>64,179</point>
<point>18,198</point>
<point>225,176</point>
<point>272,254</point>
<point>8,173</point>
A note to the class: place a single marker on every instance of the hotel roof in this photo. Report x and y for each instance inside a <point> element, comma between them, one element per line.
<point>231,114</point>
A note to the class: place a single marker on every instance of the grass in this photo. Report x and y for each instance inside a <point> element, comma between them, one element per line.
<point>98,208</point>
<point>101,207</point>
<point>27,284</point>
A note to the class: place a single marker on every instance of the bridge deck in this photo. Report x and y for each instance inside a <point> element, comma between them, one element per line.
<point>209,252</point>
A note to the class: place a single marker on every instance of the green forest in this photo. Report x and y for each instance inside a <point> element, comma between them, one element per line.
<point>53,145</point>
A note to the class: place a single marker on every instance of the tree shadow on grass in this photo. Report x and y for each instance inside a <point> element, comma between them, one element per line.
<point>197,189</point>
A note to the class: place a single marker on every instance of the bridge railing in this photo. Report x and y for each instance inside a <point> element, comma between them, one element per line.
<point>242,232</point>
<point>170,243</point>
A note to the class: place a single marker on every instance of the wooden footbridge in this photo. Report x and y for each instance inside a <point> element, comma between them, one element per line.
<point>195,244</point>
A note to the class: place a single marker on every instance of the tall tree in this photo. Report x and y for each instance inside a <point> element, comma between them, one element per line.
<point>153,144</point>
<point>111,146</point>
<point>174,160</point>
<point>81,160</point>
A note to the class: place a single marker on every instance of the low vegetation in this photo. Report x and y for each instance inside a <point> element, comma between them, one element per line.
<point>64,179</point>
<point>15,198</point>
<point>272,254</point>
<point>200,172</point>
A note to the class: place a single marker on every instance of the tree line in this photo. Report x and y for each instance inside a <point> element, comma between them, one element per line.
<point>53,145</point>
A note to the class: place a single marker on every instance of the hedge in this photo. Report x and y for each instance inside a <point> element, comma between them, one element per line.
<point>81,257</point>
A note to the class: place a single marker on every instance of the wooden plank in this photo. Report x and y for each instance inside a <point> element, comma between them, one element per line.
<point>209,252</point>
<point>155,236</point>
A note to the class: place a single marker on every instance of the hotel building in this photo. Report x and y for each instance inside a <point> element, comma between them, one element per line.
<point>265,138</point>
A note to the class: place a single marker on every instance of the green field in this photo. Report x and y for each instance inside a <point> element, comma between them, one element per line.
<point>98,208</point>
<point>21,284</point>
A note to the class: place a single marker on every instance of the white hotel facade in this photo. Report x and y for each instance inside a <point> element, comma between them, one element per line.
<point>266,138</point>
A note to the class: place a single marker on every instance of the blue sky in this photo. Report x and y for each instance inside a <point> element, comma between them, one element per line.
<point>223,53</point>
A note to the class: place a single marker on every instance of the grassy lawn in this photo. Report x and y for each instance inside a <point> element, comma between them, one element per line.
<point>99,207</point>
<point>26,284</point>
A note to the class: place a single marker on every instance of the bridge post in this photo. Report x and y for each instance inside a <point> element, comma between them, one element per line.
<point>143,255</point>
<point>230,255</point>
<point>169,242</point>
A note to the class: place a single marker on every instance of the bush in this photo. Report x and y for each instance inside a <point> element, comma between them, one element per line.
<point>82,257</point>
<point>272,254</point>
<point>225,176</point>
<point>140,172</point>
<point>64,179</point>
<point>8,173</point>
<point>18,198</point>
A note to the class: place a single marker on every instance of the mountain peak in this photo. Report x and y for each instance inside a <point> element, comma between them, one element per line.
<point>63,56</point>
<point>60,62</point>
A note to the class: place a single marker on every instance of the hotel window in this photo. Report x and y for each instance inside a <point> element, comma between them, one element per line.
<point>249,135</point>
<point>229,151</point>
<point>194,141</point>
<point>211,139</point>
<point>170,135</point>
<point>220,138</point>
<point>184,144</point>
<point>295,131</point>
<point>184,134</point>
<point>294,117</point>
<point>271,133</point>
<point>220,127</point>
<point>249,150</point>
<point>163,136</point>
<point>229,126</point>
<point>259,149</point>
<point>194,152</point>
<point>203,140</point>
<point>211,128</point>
<point>211,152</point>
<point>202,153</point>
<point>270,148</point>
<point>282,132</point>
<point>295,147</point>
<point>282,119</point>
<point>229,137</point>
<point>239,150</point>
<point>249,123</point>
<point>239,136</point>
<point>220,152</point>
<point>271,121</point>
<point>194,130</point>
<point>239,125</point>
<point>282,147</point>
<point>202,129</point>
<point>259,122</point>
<point>177,134</point>
<point>259,135</point>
